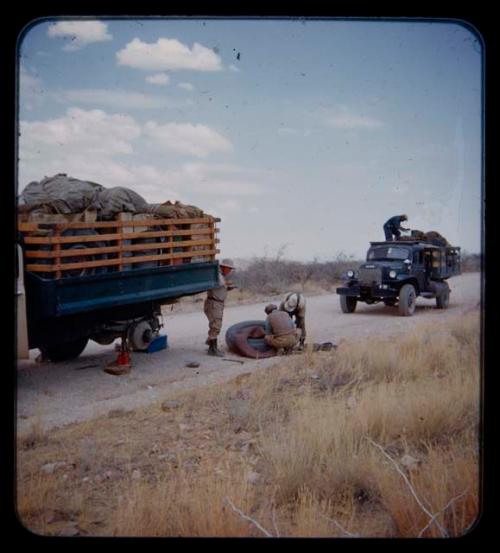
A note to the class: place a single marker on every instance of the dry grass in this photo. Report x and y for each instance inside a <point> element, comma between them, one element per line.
<point>306,448</point>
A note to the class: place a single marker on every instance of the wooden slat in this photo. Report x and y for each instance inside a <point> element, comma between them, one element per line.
<point>57,252</point>
<point>110,237</point>
<point>46,254</point>
<point>112,262</point>
<point>24,227</point>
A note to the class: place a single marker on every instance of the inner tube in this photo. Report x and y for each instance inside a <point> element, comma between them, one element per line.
<point>240,339</point>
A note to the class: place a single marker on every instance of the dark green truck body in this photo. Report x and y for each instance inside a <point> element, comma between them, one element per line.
<point>66,310</point>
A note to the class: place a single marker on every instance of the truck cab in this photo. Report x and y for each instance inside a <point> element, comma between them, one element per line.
<point>397,272</point>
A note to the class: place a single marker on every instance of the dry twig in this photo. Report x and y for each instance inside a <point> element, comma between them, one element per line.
<point>274,523</point>
<point>417,499</point>
<point>246,517</point>
<point>440,512</point>
<point>341,528</point>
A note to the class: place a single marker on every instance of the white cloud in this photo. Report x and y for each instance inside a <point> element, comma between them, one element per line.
<point>287,131</point>
<point>222,179</point>
<point>186,86</point>
<point>94,132</point>
<point>80,33</point>
<point>352,121</point>
<point>158,78</point>
<point>94,145</point>
<point>233,67</point>
<point>117,99</point>
<point>167,54</point>
<point>186,138</point>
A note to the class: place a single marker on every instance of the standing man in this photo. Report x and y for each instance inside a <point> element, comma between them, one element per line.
<point>393,227</point>
<point>214,306</point>
<point>280,330</point>
<point>295,305</point>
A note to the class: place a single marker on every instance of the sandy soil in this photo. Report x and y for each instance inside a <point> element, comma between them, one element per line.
<point>53,395</point>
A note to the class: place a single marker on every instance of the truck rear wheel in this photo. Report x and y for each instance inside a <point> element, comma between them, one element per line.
<point>65,351</point>
<point>348,304</point>
<point>407,300</point>
<point>443,298</point>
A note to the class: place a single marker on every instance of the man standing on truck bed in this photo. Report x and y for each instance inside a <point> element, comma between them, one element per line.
<point>295,305</point>
<point>393,227</point>
<point>214,306</point>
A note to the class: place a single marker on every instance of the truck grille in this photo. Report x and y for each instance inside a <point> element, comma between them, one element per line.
<point>368,276</point>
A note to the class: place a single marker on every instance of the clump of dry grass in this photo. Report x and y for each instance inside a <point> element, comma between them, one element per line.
<point>184,505</point>
<point>419,396</point>
<point>313,446</point>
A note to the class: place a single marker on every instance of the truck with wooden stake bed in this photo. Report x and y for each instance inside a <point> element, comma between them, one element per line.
<point>81,280</point>
<point>397,272</point>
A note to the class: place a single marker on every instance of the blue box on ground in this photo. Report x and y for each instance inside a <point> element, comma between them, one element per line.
<point>157,344</point>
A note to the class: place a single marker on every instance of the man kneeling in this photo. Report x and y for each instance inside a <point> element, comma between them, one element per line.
<point>281,333</point>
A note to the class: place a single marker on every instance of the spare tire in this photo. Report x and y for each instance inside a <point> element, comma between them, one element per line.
<point>237,340</point>
<point>80,246</point>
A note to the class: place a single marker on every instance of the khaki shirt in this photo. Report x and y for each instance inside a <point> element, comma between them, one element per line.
<point>279,323</point>
<point>219,293</point>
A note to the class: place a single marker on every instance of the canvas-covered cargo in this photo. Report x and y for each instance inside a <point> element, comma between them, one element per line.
<point>64,195</point>
<point>431,237</point>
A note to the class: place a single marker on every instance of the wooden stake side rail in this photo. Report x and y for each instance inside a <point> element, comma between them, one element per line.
<point>179,247</point>
<point>115,236</point>
<point>127,260</point>
<point>23,227</point>
<point>49,254</point>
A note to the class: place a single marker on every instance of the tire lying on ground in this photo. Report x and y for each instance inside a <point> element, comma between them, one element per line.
<point>239,341</point>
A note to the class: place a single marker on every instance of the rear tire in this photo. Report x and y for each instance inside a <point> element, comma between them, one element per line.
<point>443,298</point>
<point>348,304</point>
<point>65,351</point>
<point>407,300</point>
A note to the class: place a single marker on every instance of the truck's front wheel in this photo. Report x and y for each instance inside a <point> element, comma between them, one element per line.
<point>407,300</point>
<point>65,351</point>
<point>348,304</point>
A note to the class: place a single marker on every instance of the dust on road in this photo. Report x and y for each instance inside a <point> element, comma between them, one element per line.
<point>57,394</point>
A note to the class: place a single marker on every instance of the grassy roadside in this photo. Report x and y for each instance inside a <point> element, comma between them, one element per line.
<point>370,440</point>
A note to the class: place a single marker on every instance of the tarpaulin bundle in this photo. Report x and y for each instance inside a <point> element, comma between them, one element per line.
<point>66,195</point>
<point>431,237</point>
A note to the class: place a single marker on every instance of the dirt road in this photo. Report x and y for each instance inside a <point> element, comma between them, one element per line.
<point>57,394</point>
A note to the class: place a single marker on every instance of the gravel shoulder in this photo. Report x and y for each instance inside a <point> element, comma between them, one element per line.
<point>53,395</point>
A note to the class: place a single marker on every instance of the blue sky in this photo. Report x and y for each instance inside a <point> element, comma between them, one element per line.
<point>304,134</point>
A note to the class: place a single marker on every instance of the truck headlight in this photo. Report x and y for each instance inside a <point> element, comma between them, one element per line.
<point>350,274</point>
<point>392,274</point>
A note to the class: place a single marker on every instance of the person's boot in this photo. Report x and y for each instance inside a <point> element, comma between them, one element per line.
<point>213,350</point>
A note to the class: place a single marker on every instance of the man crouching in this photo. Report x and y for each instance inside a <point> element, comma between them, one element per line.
<point>280,330</point>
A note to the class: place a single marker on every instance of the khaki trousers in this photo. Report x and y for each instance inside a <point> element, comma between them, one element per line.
<point>287,341</point>
<point>214,310</point>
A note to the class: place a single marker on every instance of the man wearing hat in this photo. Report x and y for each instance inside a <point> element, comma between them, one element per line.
<point>392,227</point>
<point>280,330</point>
<point>214,306</point>
<point>295,305</point>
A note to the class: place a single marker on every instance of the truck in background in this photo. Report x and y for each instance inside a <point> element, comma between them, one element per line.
<point>397,272</point>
